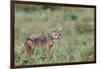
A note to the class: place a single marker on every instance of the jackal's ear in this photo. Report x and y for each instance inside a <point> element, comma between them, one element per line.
<point>60,29</point>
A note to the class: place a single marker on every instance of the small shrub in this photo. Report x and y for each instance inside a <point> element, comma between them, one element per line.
<point>83,27</point>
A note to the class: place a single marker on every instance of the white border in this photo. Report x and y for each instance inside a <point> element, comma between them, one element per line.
<point>5,34</point>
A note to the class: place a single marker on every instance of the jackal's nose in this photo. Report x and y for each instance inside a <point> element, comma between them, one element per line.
<point>58,38</point>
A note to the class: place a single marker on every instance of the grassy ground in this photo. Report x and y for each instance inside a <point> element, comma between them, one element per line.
<point>77,40</point>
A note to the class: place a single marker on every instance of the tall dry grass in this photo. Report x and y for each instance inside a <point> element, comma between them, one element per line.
<point>77,39</point>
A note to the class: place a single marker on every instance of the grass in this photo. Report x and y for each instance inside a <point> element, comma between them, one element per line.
<point>76,43</point>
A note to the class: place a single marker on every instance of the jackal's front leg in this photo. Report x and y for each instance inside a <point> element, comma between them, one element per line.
<point>49,47</point>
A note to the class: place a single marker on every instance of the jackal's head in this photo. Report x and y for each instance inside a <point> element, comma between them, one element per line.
<point>56,33</point>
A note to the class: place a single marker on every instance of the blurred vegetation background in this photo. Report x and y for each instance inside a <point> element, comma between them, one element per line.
<point>77,40</point>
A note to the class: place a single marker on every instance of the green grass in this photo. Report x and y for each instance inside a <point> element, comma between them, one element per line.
<point>76,43</point>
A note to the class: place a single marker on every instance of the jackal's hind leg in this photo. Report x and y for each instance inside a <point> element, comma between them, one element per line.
<point>29,47</point>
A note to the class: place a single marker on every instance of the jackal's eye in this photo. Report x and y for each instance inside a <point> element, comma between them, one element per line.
<point>59,34</point>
